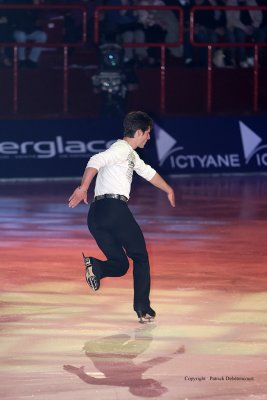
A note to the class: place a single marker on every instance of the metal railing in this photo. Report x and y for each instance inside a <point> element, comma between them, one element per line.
<point>161,45</point>
<point>64,45</point>
<point>210,46</point>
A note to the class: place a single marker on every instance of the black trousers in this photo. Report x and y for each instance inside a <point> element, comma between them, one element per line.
<point>118,235</point>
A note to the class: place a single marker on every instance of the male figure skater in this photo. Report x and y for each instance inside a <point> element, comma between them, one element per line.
<point>110,221</point>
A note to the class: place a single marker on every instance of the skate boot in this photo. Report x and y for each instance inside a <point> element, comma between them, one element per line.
<point>92,280</point>
<point>146,316</point>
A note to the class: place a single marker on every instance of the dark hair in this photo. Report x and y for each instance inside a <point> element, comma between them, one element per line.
<point>135,120</point>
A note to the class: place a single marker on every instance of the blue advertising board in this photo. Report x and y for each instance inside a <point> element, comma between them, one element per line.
<point>180,145</point>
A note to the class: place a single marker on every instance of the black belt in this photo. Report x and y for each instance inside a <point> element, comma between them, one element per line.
<point>111,196</point>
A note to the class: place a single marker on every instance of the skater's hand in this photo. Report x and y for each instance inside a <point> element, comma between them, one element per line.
<point>73,370</point>
<point>77,196</point>
<point>171,197</point>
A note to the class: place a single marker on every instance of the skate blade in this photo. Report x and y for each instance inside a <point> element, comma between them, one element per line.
<point>146,320</point>
<point>92,282</point>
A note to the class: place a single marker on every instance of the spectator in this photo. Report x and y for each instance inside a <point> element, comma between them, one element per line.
<point>243,26</point>
<point>73,18</point>
<point>208,27</point>
<point>26,29</point>
<point>160,26</point>
<point>154,29</point>
<point>123,26</point>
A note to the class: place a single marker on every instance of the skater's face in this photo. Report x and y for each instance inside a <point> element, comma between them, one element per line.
<point>143,137</point>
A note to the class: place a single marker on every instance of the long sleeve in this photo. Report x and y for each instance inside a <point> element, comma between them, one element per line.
<point>143,169</point>
<point>113,155</point>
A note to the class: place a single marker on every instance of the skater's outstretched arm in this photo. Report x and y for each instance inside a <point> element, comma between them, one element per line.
<point>80,193</point>
<point>153,362</point>
<point>159,360</point>
<point>81,374</point>
<point>160,183</point>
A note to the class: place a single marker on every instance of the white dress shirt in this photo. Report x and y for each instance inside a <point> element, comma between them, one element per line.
<point>115,169</point>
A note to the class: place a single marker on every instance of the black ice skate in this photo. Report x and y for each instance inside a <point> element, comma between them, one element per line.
<point>146,316</point>
<point>91,279</point>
